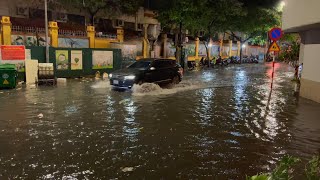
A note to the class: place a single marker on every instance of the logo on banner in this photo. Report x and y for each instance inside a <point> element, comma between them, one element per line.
<point>5,76</point>
<point>5,82</point>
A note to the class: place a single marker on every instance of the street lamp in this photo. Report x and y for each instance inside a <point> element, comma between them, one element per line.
<point>46,26</point>
<point>281,5</point>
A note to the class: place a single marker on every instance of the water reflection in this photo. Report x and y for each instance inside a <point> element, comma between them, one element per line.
<point>218,124</point>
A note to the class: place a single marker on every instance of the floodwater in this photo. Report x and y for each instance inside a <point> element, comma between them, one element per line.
<point>224,123</point>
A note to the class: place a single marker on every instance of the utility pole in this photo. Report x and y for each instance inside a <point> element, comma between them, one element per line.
<point>46,26</point>
<point>181,61</point>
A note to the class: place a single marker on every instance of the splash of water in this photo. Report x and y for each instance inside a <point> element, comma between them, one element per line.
<point>101,85</point>
<point>154,89</point>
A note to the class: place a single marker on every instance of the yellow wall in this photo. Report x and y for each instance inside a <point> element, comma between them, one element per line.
<point>6,30</point>
<point>103,43</point>
<point>53,33</point>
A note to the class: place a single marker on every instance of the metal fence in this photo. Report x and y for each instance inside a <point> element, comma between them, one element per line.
<point>105,35</point>
<point>28,29</point>
<point>72,33</point>
<point>62,32</point>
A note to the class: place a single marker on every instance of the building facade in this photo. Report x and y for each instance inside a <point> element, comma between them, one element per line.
<point>303,17</point>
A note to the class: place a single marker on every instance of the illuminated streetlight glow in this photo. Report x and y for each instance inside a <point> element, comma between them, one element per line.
<point>281,5</point>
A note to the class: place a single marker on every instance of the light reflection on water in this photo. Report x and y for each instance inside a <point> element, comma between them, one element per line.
<point>223,123</point>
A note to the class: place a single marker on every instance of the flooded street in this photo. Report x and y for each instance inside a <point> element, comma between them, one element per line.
<point>220,123</point>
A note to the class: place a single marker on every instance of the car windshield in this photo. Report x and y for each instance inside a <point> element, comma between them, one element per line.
<point>140,64</point>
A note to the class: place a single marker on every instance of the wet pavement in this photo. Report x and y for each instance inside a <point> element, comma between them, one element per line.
<point>224,123</point>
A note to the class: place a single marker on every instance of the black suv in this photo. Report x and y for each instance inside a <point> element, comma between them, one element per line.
<point>147,71</point>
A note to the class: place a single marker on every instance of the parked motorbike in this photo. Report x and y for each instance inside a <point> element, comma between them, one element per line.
<point>222,62</point>
<point>235,60</point>
<point>254,59</point>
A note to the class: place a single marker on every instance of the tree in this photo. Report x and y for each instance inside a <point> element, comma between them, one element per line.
<point>105,8</point>
<point>242,19</point>
<point>213,20</point>
<point>92,8</point>
<point>178,15</point>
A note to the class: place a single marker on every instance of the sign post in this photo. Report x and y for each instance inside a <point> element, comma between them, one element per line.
<point>275,34</point>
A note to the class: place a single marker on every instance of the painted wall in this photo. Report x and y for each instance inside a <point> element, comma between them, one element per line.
<point>190,48</point>
<point>298,13</point>
<point>27,40</point>
<point>254,50</point>
<point>73,43</point>
<point>215,50</point>
<point>129,51</point>
<point>171,50</point>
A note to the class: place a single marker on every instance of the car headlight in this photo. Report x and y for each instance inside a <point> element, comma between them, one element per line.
<point>129,77</point>
<point>110,75</point>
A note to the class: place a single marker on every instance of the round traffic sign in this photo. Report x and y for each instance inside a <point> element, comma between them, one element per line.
<point>275,34</point>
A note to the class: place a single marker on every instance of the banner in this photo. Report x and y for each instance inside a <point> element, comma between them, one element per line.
<point>76,60</point>
<point>62,59</point>
<point>102,59</point>
<point>28,54</point>
<point>13,53</point>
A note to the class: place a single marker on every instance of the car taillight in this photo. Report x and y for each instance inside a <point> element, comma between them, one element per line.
<point>181,71</point>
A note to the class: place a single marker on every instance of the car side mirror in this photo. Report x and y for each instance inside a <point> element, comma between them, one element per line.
<point>152,68</point>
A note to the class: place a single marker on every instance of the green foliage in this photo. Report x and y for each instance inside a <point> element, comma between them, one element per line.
<point>285,170</point>
<point>290,52</point>
<point>259,177</point>
<point>291,38</point>
<point>173,12</point>
<point>282,172</point>
<point>313,169</point>
<point>252,19</point>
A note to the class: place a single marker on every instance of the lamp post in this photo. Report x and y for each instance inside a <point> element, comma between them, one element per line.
<point>46,26</point>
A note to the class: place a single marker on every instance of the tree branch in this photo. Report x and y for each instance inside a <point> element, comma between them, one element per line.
<point>237,37</point>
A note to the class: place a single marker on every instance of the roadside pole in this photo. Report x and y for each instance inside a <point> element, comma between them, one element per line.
<point>275,34</point>
<point>47,33</point>
<point>273,63</point>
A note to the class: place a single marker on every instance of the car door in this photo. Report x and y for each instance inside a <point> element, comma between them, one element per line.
<point>159,71</point>
<point>165,71</point>
<point>152,74</point>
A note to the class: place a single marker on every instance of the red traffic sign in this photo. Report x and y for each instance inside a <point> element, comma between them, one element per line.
<point>275,34</point>
<point>274,47</point>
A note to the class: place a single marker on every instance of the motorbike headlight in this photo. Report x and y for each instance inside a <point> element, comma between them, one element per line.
<point>129,77</point>
<point>110,75</point>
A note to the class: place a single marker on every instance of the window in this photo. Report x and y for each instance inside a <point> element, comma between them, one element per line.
<point>140,64</point>
<point>163,63</point>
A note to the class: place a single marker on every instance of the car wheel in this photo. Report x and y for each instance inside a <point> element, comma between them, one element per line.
<point>176,80</point>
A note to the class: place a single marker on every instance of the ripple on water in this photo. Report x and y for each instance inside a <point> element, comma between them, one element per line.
<point>220,123</point>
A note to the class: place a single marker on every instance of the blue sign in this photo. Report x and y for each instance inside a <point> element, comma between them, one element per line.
<point>275,34</point>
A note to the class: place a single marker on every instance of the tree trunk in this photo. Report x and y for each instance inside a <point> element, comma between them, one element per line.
<point>180,46</point>
<point>240,52</point>
<point>91,16</point>
<point>207,51</point>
